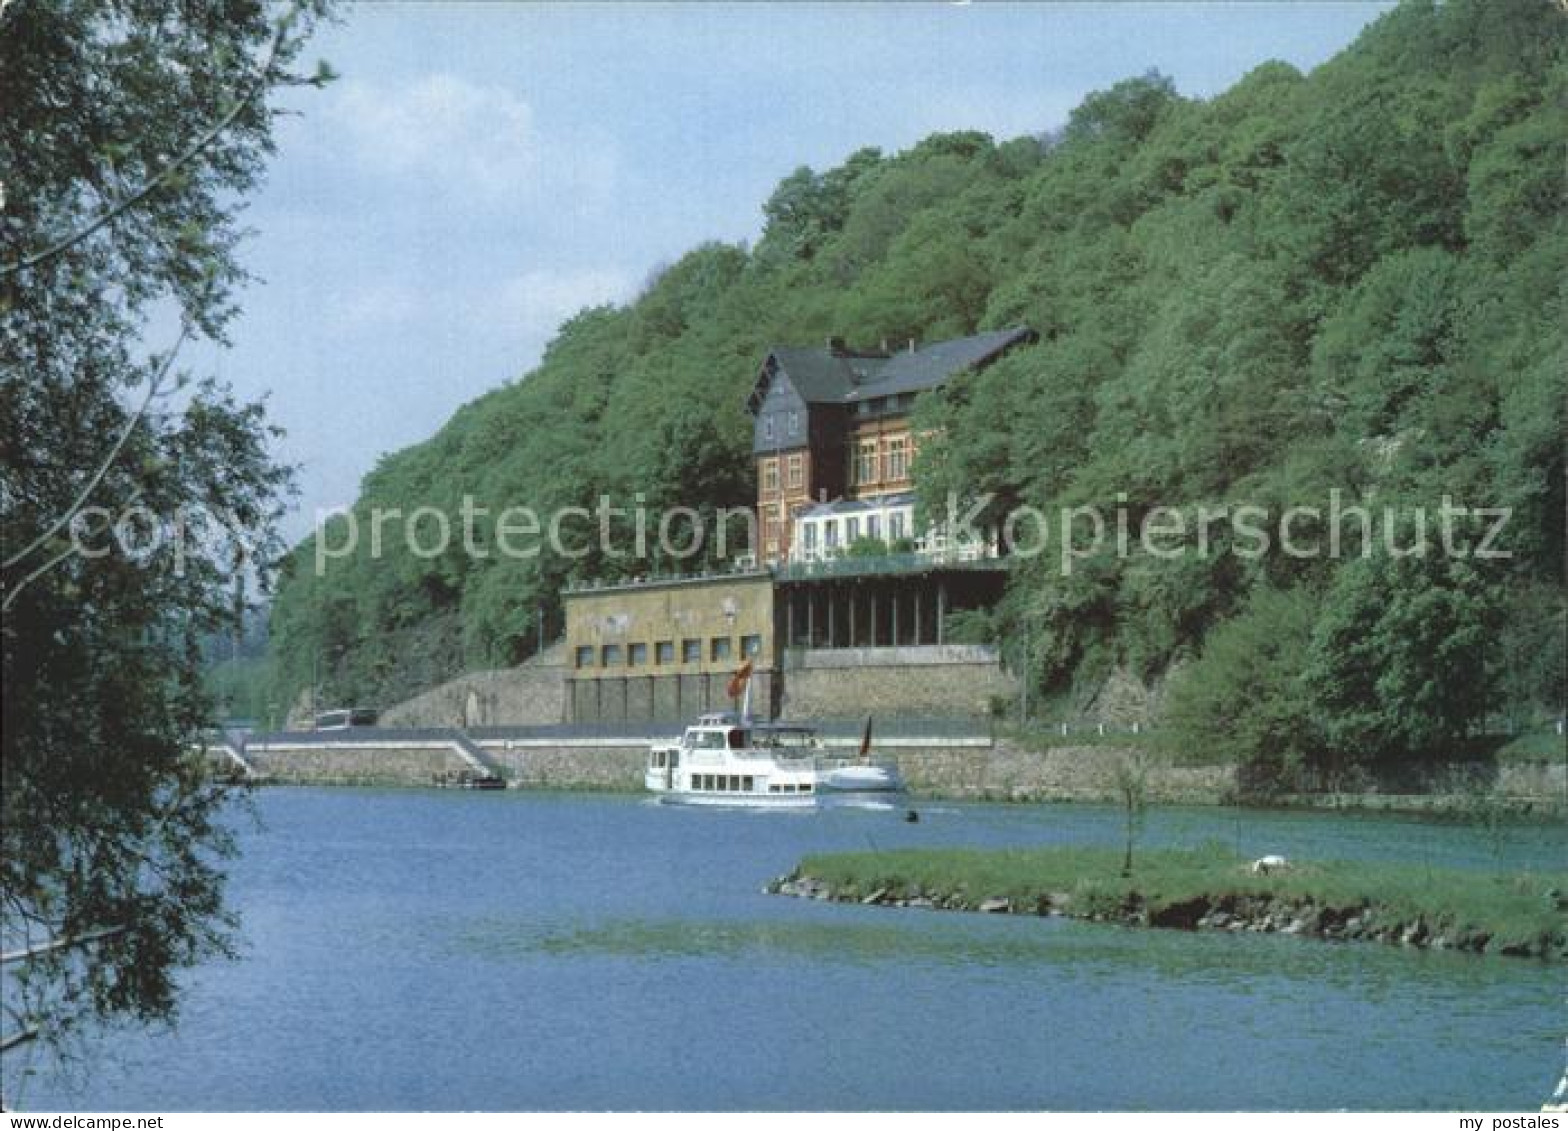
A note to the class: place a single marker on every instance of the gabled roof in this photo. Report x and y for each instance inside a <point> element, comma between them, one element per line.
<point>817,375</point>
<point>823,376</point>
<point>932,365</point>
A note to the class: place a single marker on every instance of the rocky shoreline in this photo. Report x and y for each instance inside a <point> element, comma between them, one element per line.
<point>1229,912</point>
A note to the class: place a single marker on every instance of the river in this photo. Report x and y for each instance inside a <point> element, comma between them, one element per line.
<point>485,951</point>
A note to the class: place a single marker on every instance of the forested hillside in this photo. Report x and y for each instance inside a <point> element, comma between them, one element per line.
<point>1346,280</point>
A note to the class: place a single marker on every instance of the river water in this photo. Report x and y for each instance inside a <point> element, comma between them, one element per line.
<point>486,951</point>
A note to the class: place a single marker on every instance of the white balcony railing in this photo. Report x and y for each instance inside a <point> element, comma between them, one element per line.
<point>934,546</point>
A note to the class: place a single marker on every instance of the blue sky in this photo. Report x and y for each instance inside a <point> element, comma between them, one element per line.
<point>483,170</point>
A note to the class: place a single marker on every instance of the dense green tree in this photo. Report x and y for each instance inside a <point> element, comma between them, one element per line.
<point>131,135</point>
<point>1398,663</point>
<point>1244,699</point>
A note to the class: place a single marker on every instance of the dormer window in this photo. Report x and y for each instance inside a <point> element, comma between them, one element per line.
<point>794,423</point>
<point>767,426</point>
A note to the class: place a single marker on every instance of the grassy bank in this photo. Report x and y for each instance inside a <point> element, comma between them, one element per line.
<point>1518,914</point>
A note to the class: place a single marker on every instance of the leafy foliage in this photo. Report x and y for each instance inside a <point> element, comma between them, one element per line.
<point>131,134</point>
<point>1244,701</point>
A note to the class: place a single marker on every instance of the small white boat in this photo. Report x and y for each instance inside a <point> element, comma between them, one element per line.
<point>862,777</point>
<point>725,760</point>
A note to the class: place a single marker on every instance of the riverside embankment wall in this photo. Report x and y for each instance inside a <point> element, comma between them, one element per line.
<point>967,768</point>
<point>363,763</point>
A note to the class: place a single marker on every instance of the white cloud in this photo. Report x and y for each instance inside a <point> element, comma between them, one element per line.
<point>374,307</point>
<point>479,143</point>
<point>520,313</point>
<point>536,302</point>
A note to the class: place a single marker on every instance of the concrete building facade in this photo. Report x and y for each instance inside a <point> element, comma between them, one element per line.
<point>667,649</point>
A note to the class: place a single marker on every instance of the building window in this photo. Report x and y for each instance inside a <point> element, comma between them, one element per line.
<point>767,426</point>
<point>808,535</point>
<point>898,458</point>
<point>797,470</point>
<point>719,648</point>
<point>794,424</point>
<point>830,533</point>
<point>664,652</point>
<point>637,656</point>
<point>610,655</point>
<point>585,656</point>
<point>751,646</point>
<point>851,529</point>
<point>895,525</point>
<point>691,651</point>
<point>866,464</point>
<point>770,475</point>
<point>873,526</point>
<point>770,532</point>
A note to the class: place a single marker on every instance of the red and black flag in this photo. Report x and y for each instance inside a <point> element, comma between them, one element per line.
<point>738,681</point>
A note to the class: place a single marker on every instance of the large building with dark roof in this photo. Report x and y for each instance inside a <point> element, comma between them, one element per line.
<point>828,633</point>
<point>831,426</point>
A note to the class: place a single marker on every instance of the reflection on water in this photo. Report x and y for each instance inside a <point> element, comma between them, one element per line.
<point>451,950</point>
<point>1089,950</point>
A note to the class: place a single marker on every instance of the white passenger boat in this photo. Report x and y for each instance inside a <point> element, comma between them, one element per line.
<point>727,760</point>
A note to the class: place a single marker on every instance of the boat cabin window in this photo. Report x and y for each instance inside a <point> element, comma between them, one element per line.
<point>737,740</point>
<point>730,783</point>
<point>707,740</point>
<point>783,736</point>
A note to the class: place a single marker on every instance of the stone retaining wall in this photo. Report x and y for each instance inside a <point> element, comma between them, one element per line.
<point>530,695</point>
<point>978,771</point>
<point>1533,779</point>
<point>606,767</point>
<point>1068,773</point>
<point>923,682</point>
<point>321,764</point>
